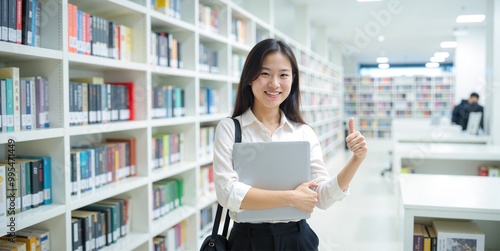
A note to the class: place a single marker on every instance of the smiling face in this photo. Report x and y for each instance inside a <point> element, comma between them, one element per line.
<point>274,82</point>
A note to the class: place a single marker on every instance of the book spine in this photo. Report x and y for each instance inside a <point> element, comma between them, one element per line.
<point>38,24</point>
<point>19,18</point>
<point>33,98</point>
<point>4,22</point>
<point>9,100</point>
<point>29,110</point>
<point>2,101</point>
<point>23,104</point>
<point>12,21</point>
<point>17,99</point>
<point>33,21</point>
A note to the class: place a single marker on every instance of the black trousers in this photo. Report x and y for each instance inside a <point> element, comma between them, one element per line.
<point>273,236</point>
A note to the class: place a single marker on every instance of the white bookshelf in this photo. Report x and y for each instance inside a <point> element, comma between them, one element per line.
<point>450,197</point>
<point>321,86</point>
<point>376,101</point>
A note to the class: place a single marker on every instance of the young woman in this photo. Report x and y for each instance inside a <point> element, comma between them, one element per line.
<point>267,107</point>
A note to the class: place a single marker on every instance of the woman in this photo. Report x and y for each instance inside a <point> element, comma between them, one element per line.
<point>267,106</point>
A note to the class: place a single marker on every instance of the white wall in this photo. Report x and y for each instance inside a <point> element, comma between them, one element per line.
<point>470,65</point>
<point>492,117</point>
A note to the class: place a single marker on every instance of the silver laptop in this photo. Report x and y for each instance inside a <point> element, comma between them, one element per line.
<point>272,166</point>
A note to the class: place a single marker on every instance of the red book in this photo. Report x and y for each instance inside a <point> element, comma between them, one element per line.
<point>131,153</point>
<point>19,21</point>
<point>483,171</point>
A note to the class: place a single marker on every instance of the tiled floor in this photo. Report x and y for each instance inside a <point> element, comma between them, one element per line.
<point>367,219</point>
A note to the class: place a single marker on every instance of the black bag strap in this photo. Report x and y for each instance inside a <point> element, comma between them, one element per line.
<point>218,214</point>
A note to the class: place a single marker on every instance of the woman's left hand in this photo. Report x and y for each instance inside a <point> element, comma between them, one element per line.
<point>356,142</point>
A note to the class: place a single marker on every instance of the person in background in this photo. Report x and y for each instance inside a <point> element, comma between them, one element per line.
<point>460,115</point>
<point>268,108</point>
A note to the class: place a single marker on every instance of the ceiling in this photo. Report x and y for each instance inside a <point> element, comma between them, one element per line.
<point>411,34</point>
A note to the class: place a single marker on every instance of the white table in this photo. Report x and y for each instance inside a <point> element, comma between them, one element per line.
<point>425,197</point>
<point>436,158</point>
<point>422,131</point>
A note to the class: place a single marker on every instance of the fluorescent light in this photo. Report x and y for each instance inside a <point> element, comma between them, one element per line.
<point>470,18</point>
<point>383,66</point>
<point>361,1</point>
<point>449,44</point>
<point>432,65</point>
<point>437,60</point>
<point>382,60</point>
<point>441,54</point>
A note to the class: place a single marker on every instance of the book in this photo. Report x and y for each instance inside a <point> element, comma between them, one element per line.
<point>46,164</point>
<point>458,235</point>
<point>42,237</point>
<point>29,240</point>
<point>418,238</point>
<point>76,234</point>
<point>13,73</point>
<point>4,21</point>
<point>433,236</point>
<point>8,107</point>
<point>17,246</point>
<point>89,220</point>
<point>130,153</point>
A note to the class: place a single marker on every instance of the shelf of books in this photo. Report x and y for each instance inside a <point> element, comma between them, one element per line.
<point>108,111</point>
<point>376,101</point>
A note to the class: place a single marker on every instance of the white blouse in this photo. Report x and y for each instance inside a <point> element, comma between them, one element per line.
<point>230,192</point>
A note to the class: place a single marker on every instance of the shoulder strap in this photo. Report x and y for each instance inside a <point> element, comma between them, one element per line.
<point>218,214</point>
<point>237,131</point>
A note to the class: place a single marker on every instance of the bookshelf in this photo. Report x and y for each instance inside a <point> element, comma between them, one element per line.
<point>471,203</point>
<point>322,88</point>
<point>376,101</point>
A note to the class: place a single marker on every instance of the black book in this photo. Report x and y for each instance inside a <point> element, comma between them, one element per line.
<point>27,19</point>
<point>12,21</point>
<point>89,219</point>
<point>74,170</point>
<point>106,220</point>
<point>4,20</point>
<point>76,234</point>
<point>35,183</point>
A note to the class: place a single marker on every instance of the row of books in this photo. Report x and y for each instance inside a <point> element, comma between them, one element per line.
<point>238,30</point>
<point>99,164</point>
<point>167,195</point>
<point>208,61</point>
<point>20,21</point>
<point>92,35</point>
<point>166,50</point>
<point>207,216</point>
<point>208,18</point>
<point>170,8</point>
<point>207,134</point>
<point>173,239</point>
<point>27,239</point>
<point>168,102</point>
<point>238,62</point>
<point>24,102</point>
<point>29,183</point>
<point>209,100</point>
<point>207,185</point>
<point>448,235</point>
<point>492,171</point>
<point>167,149</point>
<point>100,224</point>
<point>93,102</point>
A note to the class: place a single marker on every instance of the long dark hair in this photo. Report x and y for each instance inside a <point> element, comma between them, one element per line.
<point>251,71</point>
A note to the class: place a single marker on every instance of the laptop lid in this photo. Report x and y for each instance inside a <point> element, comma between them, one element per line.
<point>272,166</point>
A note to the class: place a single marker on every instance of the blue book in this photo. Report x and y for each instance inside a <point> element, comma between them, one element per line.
<point>47,176</point>
<point>84,171</point>
<point>9,107</point>
<point>33,22</point>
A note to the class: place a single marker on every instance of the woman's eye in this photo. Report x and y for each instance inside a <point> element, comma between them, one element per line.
<point>264,74</point>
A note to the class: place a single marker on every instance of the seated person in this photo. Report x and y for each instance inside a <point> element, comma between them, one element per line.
<point>460,115</point>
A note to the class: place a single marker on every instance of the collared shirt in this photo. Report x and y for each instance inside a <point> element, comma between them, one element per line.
<point>230,192</point>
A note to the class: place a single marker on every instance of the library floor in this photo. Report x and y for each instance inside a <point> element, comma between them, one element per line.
<point>367,219</point>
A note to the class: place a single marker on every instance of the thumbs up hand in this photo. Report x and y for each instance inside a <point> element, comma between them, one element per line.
<point>355,141</point>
